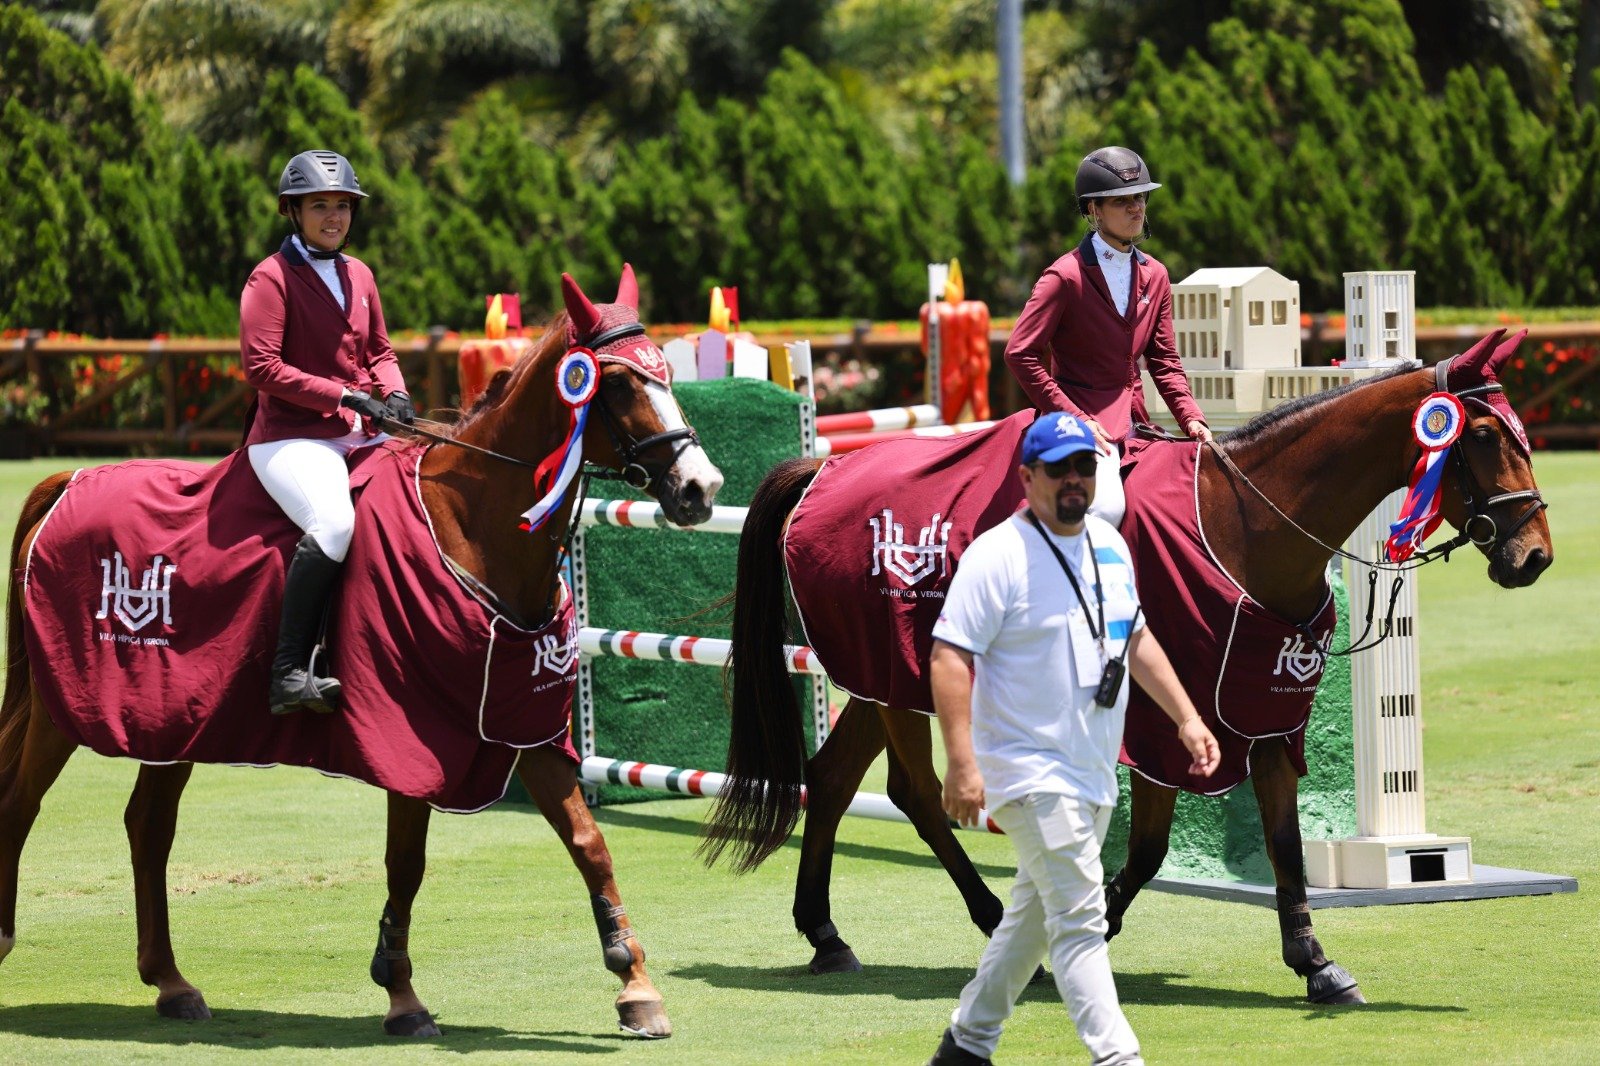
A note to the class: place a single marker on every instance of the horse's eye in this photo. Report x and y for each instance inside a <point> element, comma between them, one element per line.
<point>1482,435</point>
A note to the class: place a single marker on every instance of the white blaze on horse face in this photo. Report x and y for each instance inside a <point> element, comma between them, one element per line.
<point>694,466</point>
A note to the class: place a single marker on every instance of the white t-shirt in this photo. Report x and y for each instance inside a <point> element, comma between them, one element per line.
<point>1035,725</point>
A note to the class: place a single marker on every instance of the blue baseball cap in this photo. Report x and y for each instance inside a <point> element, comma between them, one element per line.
<point>1055,436</point>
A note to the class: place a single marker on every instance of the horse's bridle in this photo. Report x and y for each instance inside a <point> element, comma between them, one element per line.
<point>633,472</point>
<point>1471,491</point>
<point>627,447</point>
<point>1471,495</point>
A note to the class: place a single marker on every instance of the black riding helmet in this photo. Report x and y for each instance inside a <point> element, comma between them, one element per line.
<point>1111,171</point>
<point>317,171</point>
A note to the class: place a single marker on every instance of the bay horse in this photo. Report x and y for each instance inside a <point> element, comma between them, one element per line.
<point>472,496</point>
<point>1272,499</point>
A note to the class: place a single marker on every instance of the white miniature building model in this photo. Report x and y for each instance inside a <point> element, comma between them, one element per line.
<point>1380,317</point>
<point>1237,318</point>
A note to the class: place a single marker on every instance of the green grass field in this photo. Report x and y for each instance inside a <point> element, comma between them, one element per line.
<point>277,883</point>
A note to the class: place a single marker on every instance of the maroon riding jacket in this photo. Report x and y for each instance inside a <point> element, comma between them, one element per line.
<point>1072,351</point>
<point>300,351</point>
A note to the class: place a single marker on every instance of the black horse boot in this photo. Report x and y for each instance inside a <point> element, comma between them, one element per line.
<point>305,594</point>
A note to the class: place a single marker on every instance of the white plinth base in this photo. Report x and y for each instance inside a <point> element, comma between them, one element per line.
<point>1388,862</point>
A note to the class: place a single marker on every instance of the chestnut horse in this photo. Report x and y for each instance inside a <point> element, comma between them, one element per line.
<point>1274,497</point>
<point>473,496</point>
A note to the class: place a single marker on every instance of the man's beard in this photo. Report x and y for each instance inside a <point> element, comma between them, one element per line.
<point>1071,512</point>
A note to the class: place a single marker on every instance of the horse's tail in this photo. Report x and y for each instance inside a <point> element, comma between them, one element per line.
<point>18,698</point>
<point>760,802</point>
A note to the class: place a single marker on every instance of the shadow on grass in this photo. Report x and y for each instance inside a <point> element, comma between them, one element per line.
<point>946,983</point>
<point>248,1029</point>
<point>920,858</point>
<point>1157,989</point>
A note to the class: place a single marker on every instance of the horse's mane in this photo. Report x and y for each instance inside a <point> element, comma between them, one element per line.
<point>1262,424</point>
<point>553,337</point>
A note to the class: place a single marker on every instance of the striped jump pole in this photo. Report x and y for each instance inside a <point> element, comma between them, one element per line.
<point>638,514</point>
<point>666,647</point>
<point>856,441</point>
<point>597,770</point>
<point>885,418</point>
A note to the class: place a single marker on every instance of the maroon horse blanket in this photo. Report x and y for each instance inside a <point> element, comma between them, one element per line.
<point>876,538</point>
<point>1251,674</point>
<point>153,593</point>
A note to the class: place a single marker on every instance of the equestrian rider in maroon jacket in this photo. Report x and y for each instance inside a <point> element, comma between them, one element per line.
<point>315,348</point>
<point>1094,311</point>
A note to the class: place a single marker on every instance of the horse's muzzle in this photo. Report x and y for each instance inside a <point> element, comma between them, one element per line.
<point>687,498</point>
<point>1516,575</point>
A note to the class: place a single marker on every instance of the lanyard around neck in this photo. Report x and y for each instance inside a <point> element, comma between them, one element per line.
<point>1099,601</point>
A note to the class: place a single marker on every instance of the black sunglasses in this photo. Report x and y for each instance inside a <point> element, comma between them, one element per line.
<point>1084,463</point>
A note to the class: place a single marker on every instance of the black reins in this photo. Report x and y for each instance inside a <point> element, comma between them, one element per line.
<point>1472,498</point>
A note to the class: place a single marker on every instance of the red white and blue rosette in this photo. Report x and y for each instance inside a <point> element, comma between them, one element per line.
<point>1437,425</point>
<point>577,380</point>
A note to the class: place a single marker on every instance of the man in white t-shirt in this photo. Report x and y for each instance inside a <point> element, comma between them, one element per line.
<point>1028,684</point>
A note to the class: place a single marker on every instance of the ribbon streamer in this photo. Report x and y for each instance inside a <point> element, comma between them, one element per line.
<point>577,379</point>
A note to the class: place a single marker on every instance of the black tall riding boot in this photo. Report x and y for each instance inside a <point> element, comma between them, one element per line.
<point>306,588</point>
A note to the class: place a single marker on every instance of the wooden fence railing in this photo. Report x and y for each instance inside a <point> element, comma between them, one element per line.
<point>67,420</point>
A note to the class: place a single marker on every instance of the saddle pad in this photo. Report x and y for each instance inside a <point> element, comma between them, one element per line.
<point>1251,674</point>
<point>153,594</point>
<point>874,542</point>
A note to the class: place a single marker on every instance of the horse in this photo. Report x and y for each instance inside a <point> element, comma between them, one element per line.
<point>472,484</point>
<point>1273,497</point>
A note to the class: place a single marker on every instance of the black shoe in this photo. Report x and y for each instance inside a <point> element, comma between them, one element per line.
<point>951,1053</point>
<point>306,588</point>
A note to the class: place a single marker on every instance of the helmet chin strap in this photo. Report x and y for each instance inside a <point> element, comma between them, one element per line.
<point>312,250</point>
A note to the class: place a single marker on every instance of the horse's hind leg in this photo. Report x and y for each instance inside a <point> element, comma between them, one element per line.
<point>1277,788</point>
<point>30,761</point>
<point>832,776</point>
<point>914,787</point>
<point>552,781</point>
<point>151,819</point>
<point>1151,825</point>
<point>405,859</point>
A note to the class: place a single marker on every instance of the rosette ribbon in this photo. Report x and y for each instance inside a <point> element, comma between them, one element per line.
<point>577,379</point>
<point>1437,425</point>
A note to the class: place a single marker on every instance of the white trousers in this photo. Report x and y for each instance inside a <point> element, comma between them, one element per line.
<point>1057,908</point>
<point>308,478</point>
<point>1109,502</point>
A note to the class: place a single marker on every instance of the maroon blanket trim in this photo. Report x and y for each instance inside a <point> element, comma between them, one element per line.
<point>1223,791</point>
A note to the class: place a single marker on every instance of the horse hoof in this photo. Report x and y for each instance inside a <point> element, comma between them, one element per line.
<point>418,1023</point>
<point>188,1006</point>
<point>838,960</point>
<point>6,944</point>
<point>644,1018</point>
<point>1332,985</point>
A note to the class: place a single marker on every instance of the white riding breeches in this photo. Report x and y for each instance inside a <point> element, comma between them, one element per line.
<point>307,477</point>
<point>1109,502</point>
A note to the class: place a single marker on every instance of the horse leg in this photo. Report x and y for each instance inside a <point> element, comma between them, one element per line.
<point>27,771</point>
<point>832,776</point>
<point>1277,788</point>
<point>914,788</point>
<point>405,858</point>
<point>552,781</point>
<point>1150,825</point>
<point>151,819</point>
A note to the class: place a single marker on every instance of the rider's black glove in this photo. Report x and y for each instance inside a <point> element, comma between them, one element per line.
<point>398,405</point>
<point>364,405</point>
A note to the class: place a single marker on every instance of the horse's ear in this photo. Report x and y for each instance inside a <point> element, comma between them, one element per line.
<point>585,318</point>
<point>628,288</point>
<point>1470,363</point>
<point>1503,352</point>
